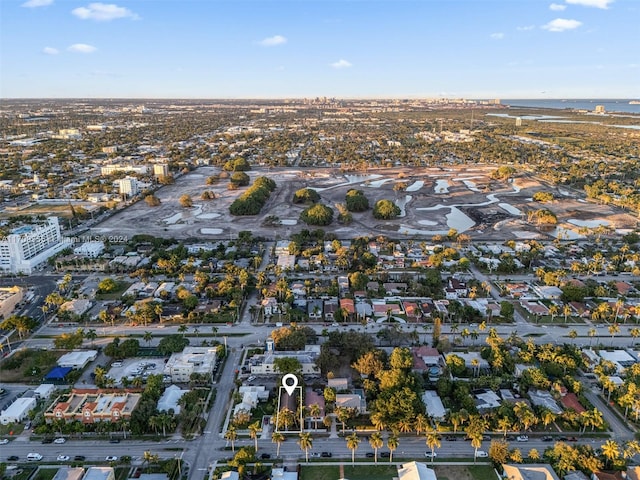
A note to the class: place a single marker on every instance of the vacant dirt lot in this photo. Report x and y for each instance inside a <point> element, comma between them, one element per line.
<point>432,201</point>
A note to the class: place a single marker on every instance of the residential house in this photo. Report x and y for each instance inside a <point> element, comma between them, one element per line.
<point>93,405</point>
<point>416,471</point>
<point>314,309</point>
<point>533,471</point>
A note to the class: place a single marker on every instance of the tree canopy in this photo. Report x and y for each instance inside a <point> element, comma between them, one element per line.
<point>385,210</point>
<point>317,214</point>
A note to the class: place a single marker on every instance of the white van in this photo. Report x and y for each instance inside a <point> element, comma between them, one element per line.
<point>34,457</point>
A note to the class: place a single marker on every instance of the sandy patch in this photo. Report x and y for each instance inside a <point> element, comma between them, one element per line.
<point>415,186</point>
<point>289,221</point>
<point>442,186</point>
<point>173,219</point>
<point>510,208</point>
<point>588,223</point>
<point>210,231</point>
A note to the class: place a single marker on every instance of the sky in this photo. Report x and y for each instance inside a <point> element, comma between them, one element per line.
<point>309,48</point>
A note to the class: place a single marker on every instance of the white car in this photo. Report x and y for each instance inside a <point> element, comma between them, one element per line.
<point>4,441</point>
<point>63,458</point>
<point>59,440</point>
<point>111,458</point>
<point>430,454</point>
<point>522,438</point>
<point>481,454</point>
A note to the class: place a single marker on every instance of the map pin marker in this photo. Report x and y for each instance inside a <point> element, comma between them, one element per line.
<point>291,385</point>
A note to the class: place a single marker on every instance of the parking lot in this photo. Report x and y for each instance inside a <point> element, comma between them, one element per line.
<point>135,367</point>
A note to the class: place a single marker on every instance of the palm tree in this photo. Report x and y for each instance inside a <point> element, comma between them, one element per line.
<point>592,333</point>
<point>610,451</point>
<point>534,455</point>
<point>314,411</point>
<point>504,424</point>
<point>231,434</point>
<point>91,335</point>
<point>147,457</point>
<point>306,443</point>
<point>147,337</point>
<point>566,311</point>
<point>254,428</point>
<point>614,328</point>
<point>392,445</point>
<point>352,444</point>
<point>476,442</point>
<point>183,329</point>
<point>375,440</point>
<point>277,438</point>
<point>553,311</point>
<point>421,423</point>
<point>433,442</point>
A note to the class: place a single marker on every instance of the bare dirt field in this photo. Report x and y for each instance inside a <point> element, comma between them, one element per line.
<point>432,201</point>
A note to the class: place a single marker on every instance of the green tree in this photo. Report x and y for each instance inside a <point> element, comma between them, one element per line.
<point>317,214</point>
<point>254,429</point>
<point>306,443</point>
<point>376,442</point>
<point>277,438</point>
<point>353,441</point>
<point>392,445</point>
<point>185,201</point>
<point>385,210</point>
<point>231,435</point>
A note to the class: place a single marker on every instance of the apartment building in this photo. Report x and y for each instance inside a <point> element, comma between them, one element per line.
<point>30,245</point>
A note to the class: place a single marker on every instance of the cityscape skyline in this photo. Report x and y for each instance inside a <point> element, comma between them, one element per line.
<point>285,49</point>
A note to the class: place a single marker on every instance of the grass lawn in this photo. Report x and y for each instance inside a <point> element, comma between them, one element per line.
<point>115,294</point>
<point>28,365</point>
<point>385,472</point>
<point>45,474</point>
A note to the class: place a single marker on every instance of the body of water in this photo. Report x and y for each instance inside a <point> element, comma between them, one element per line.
<point>610,105</point>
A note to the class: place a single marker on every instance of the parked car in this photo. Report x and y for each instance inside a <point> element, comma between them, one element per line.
<point>430,454</point>
<point>547,438</point>
<point>326,454</point>
<point>522,438</point>
<point>13,458</point>
<point>481,454</point>
<point>79,458</point>
<point>59,440</point>
<point>385,455</point>
<point>47,440</point>
<point>314,455</point>
<point>63,458</point>
<point>4,441</point>
<point>369,455</point>
<point>111,458</point>
<point>451,438</point>
<point>114,440</point>
<point>265,456</point>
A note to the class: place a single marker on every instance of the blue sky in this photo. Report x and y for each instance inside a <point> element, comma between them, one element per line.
<point>308,48</point>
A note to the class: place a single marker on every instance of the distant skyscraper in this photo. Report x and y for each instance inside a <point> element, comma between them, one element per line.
<point>160,170</point>
<point>128,186</point>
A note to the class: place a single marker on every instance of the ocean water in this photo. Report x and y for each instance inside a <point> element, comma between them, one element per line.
<point>610,105</point>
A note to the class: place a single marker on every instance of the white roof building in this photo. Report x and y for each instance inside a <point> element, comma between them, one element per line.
<point>45,390</point>
<point>18,410</point>
<point>620,358</point>
<point>230,475</point>
<point>415,471</point>
<point>433,404</point>
<point>200,360</point>
<point>77,306</point>
<point>169,399</point>
<point>67,473</point>
<point>100,473</point>
<point>77,359</point>
<point>282,474</point>
<point>90,249</point>
<point>29,246</point>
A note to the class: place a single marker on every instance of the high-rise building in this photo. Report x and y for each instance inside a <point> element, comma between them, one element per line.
<point>160,170</point>
<point>128,186</point>
<point>30,245</point>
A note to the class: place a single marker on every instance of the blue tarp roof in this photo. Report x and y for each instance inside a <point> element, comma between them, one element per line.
<point>58,373</point>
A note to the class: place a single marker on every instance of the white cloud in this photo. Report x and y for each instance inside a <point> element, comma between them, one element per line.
<point>37,3</point>
<point>81,48</point>
<point>273,41</point>
<point>556,7</point>
<point>604,4</point>
<point>497,36</point>
<point>103,12</point>
<point>525,28</point>
<point>561,24</point>
<point>50,51</point>
<point>341,64</point>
